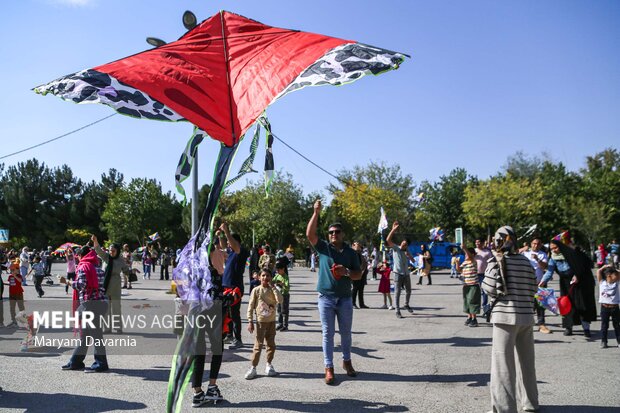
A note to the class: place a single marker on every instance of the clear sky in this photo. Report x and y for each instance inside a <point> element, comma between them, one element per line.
<point>486,79</point>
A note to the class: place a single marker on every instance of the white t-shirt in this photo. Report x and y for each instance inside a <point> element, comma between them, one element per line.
<point>542,256</point>
<point>609,293</point>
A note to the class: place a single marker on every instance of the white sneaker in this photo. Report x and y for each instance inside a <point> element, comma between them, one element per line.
<point>251,374</point>
<point>270,371</point>
<point>383,307</point>
<point>390,308</point>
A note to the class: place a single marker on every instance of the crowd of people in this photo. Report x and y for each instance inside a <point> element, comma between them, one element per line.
<point>499,281</point>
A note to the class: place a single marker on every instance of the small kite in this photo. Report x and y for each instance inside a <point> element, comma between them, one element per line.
<point>436,234</point>
<point>563,237</point>
<point>220,76</point>
<point>546,298</point>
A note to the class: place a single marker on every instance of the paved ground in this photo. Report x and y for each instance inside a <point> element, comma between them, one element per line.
<point>426,362</point>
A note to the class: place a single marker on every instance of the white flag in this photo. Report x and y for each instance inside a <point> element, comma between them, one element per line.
<point>383,222</point>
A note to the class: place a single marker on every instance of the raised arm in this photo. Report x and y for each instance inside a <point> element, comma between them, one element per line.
<point>100,252</point>
<point>388,240</point>
<point>234,244</point>
<point>599,273</point>
<point>313,223</point>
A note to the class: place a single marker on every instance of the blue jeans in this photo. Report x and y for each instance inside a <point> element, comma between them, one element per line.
<point>330,308</point>
<point>485,297</point>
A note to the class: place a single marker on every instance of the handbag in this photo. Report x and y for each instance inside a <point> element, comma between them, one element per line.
<point>133,277</point>
<point>564,303</point>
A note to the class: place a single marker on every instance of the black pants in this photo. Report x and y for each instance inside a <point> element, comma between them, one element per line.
<point>37,285</point>
<point>283,310</point>
<point>214,335</point>
<point>70,278</point>
<point>235,324</point>
<point>358,291</point>
<point>99,309</point>
<point>163,272</point>
<point>606,313</point>
<point>430,281</point>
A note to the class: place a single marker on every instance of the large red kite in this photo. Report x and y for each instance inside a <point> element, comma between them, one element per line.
<point>222,74</point>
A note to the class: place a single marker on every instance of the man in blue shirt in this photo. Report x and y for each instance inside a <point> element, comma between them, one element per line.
<point>233,277</point>
<point>338,265</point>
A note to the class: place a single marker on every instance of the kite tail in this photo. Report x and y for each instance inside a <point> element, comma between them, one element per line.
<point>224,160</point>
<point>183,364</point>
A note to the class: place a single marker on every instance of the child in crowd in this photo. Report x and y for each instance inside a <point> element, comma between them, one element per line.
<point>471,288</point>
<point>609,298</point>
<point>384,284</point>
<point>38,266</point>
<point>147,262</point>
<point>263,300</point>
<point>281,282</point>
<point>453,262</point>
<point>255,281</point>
<point>70,269</point>
<point>16,292</point>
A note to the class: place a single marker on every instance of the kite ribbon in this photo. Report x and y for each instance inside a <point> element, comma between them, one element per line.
<point>246,167</point>
<point>184,168</point>
<point>269,164</point>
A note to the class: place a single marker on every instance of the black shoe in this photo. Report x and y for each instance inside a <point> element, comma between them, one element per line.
<point>213,393</point>
<point>284,328</point>
<point>279,327</point>
<point>468,321</point>
<point>96,368</point>
<point>587,333</point>
<point>364,306</point>
<point>199,399</point>
<point>603,344</point>
<point>568,331</point>
<point>70,366</point>
<point>236,344</point>
<point>356,307</point>
<point>399,315</point>
<point>473,323</point>
<point>409,309</point>
<point>418,283</point>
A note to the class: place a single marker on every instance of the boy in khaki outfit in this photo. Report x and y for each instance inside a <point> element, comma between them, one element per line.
<point>263,300</point>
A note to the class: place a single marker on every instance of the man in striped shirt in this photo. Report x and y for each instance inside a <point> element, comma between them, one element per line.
<point>510,281</point>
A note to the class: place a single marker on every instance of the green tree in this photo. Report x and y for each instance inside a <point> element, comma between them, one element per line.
<point>141,208</point>
<point>591,219</point>
<point>274,219</point>
<point>358,207</point>
<point>601,183</point>
<point>443,203</point>
<point>363,190</point>
<point>502,201</point>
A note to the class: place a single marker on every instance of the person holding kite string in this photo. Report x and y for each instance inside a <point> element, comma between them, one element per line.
<point>402,279</point>
<point>338,265</point>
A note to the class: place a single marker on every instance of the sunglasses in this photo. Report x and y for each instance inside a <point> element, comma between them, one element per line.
<point>334,231</point>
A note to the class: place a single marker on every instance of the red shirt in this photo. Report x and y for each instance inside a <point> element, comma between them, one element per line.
<point>15,285</point>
